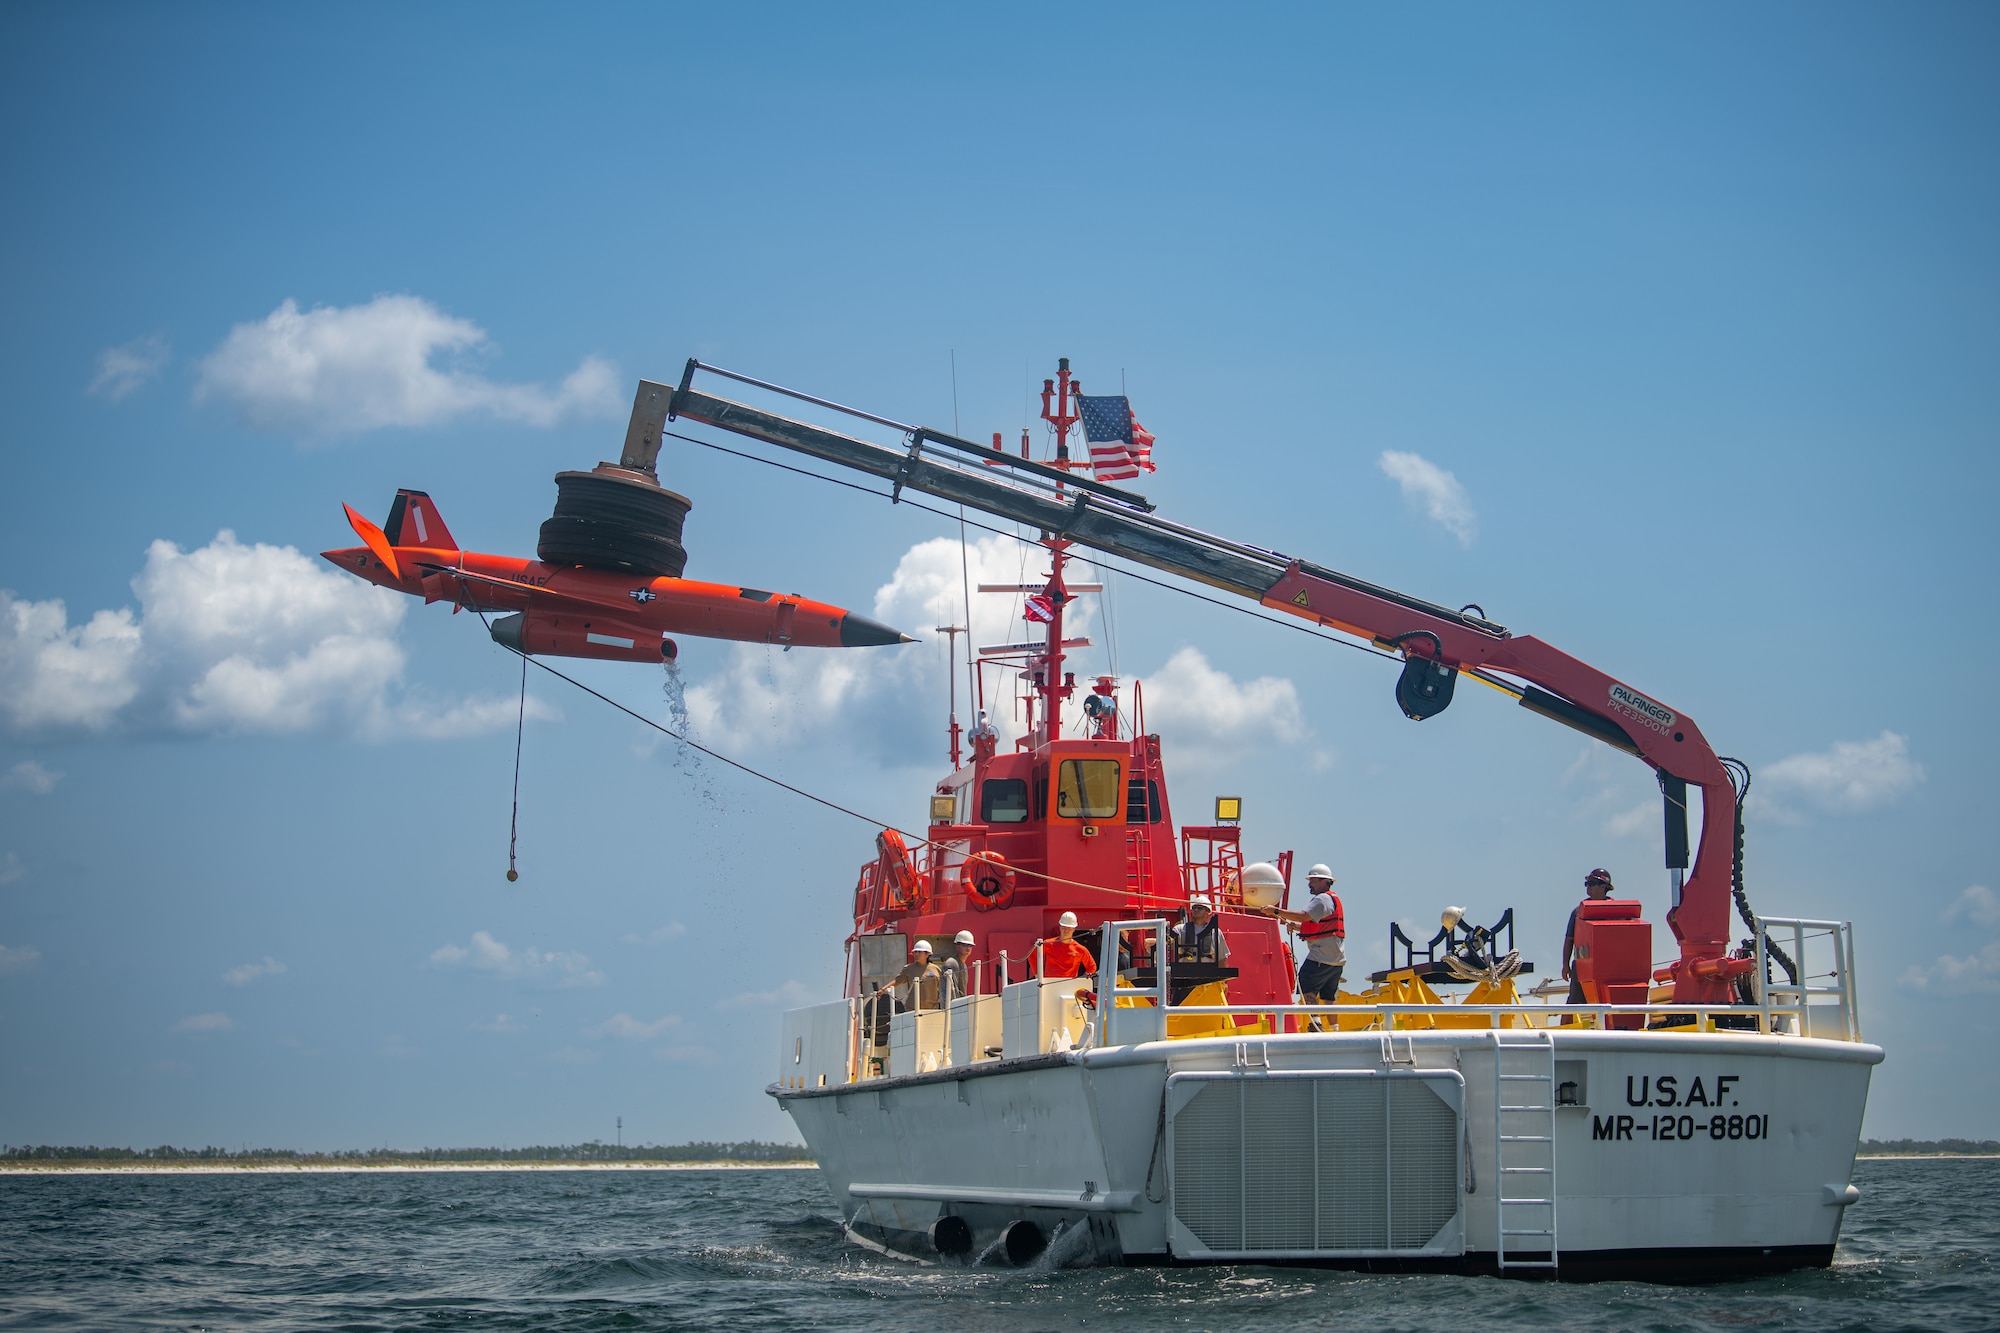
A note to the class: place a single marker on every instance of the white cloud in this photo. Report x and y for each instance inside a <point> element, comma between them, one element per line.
<point>1641,819</point>
<point>791,993</point>
<point>1974,974</point>
<point>245,973</point>
<point>486,954</point>
<point>56,675</point>
<point>124,368</point>
<point>231,638</point>
<point>1978,904</point>
<point>501,1023</point>
<point>340,370</point>
<point>632,1029</point>
<point>768,699</point>
<point>17,959</point>
<point>30,777</point>
<point>1212,716</point>
<point>1428,487</point>
<point>673,930</point>
<point>11,868</point>
<point>1847,778</point>
<point>205,1023</point>
<point>771,700</point>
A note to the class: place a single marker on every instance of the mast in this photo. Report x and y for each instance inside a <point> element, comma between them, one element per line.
<point>1050,683</point>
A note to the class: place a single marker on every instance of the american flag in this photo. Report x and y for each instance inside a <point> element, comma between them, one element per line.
<point>1119,445</point>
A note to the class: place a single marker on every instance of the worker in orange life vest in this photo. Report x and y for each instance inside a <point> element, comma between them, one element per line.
<point>1064,956</point>
<point>1323,926</point>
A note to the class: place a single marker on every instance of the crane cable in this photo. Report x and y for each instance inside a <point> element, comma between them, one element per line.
<point>742,767</point>
<point>1014,536</point>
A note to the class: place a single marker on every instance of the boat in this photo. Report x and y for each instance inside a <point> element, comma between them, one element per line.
<point>1695,1118</point>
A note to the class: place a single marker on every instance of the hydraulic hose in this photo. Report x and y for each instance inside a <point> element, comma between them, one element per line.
<point>1739,778</point>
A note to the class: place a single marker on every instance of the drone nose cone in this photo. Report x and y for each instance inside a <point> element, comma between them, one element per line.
<point>861,632</point>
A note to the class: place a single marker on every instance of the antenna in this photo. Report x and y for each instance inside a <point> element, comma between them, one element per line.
<point>951,633</point>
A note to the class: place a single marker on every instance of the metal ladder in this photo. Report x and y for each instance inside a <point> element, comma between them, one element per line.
<point>1524,1148</point>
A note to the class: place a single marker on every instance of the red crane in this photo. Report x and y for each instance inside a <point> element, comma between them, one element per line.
<point>1437,644</point>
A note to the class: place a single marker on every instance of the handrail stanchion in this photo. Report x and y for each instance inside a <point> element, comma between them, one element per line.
<point>1107,982</point>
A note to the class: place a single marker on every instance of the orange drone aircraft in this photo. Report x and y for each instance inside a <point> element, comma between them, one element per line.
<point>604,595</point>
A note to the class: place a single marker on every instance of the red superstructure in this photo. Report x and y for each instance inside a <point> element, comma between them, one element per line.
<point>1080,824</point>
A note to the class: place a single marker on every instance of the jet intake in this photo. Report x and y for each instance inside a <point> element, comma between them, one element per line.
<point>574,636</point>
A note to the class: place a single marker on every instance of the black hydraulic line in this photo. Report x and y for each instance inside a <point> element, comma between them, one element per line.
<point>1558,709</point>
<point>1739,780</point>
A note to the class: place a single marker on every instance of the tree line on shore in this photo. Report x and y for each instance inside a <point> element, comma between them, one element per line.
<point>750,1151</point>
<point>1930,1147</point>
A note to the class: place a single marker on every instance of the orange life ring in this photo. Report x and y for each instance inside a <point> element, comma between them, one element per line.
<point>988,881</point>
<point>897,872</point>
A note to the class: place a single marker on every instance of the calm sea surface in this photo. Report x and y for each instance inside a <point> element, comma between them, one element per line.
<point>754,1250</point>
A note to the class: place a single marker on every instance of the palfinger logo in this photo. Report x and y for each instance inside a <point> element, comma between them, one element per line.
<point>1632,704</point>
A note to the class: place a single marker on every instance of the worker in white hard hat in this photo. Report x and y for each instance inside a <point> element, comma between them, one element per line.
<point>956,970</point>
<point>1198,938</point>
<point>1065,955</point>
<point>916,986</point>
<point>1323,926</point>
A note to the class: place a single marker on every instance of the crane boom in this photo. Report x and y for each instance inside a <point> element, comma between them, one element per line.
<point>1437,643</point>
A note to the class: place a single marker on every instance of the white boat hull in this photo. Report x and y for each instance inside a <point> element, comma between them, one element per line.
<point>1687,1157</point>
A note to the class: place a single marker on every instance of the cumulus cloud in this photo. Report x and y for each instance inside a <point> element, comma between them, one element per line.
<point>340,370</point>
<point>1978,904</point>
<point>791,993</point>
<point>122,369</point>
<point>1848,778</point>
<point>11,869</point>
<point>30,777</point>
<point>501,1023</point>
<point>57,675</point>
<point>561,969</point>
<point>17,959</point>
<point>766,699</point>
<point>230,638</point>
<point>632,1029</point>
<point>673,930</point>
<point>1213,717</point>
<point>1436,492</point>
<point>245,973</point>
<point>205,1023</point>
<point>1975,974</point>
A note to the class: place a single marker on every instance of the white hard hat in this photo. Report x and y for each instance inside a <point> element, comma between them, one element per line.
<point>1067,919</point>
<point>921,946</point>
<point>1321,871</point>
<point>1200,901</point>
<point>963,937</point>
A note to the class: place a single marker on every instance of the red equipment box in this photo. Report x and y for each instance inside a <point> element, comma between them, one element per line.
<point>1614,956</point>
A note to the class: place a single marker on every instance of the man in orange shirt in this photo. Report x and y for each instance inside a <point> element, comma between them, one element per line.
<point>1063,956</point>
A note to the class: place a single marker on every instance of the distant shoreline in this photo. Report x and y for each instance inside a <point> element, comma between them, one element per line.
<point>101,1168</point>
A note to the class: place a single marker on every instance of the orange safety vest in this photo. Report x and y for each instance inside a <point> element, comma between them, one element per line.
<point>1332,924</point>
<point>1065,958</point>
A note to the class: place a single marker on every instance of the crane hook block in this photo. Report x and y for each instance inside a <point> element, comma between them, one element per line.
<point>1424,688</point>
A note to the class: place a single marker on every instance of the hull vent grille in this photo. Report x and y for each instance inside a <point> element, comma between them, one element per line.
<point>1324,1164</point>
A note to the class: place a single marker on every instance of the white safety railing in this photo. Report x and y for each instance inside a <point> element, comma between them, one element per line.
<point>1822,955</point>
<point>1119,1026</point>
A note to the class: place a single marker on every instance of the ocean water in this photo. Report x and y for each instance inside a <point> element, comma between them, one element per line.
<point>759,1250</point>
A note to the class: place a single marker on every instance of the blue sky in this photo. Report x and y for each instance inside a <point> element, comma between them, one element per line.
<point>1667,334</point>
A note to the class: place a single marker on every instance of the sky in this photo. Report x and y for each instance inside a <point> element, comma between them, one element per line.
<point>1667,334</point>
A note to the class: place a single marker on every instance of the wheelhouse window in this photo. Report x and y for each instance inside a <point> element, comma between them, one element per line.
<point>1003,801</point>
<point>1087,789</point>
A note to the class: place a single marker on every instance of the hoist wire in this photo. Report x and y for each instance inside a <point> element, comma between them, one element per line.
<point>520,727</point>
<point>737,764</point>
